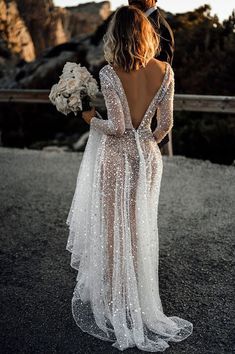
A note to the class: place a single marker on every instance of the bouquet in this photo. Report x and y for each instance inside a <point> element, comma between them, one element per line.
<point>75,89</point>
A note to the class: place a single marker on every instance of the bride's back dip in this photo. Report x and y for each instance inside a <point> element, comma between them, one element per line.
<point>113,219</point>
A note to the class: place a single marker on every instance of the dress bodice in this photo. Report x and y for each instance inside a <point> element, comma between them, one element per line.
<point>119,117</point>
<point>151,109</point>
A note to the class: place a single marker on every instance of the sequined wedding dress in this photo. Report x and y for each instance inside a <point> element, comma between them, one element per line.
<point>113,230</point>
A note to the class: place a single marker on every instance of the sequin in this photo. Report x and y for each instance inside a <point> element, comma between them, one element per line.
<point>113,228</point>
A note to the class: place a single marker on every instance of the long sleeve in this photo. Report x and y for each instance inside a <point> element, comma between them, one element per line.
<point>115,125</point>
<point>165,113</point>
<point>167,41</point>
<point>163,28</point>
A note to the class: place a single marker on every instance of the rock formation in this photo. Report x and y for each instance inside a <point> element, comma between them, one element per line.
<point>44,22</point>
<point>54,35</point>
<point>84,19</point>
<point>15,39</point>
<point>28,27</point>
<point>45,70</point>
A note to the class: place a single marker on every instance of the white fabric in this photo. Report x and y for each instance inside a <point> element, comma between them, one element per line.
<point>150,10</point>
<point>113,236</point>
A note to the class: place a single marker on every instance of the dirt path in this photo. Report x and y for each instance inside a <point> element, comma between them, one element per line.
<point>196,223</point>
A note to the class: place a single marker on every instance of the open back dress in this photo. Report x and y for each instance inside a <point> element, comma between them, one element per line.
<point>113,224</point>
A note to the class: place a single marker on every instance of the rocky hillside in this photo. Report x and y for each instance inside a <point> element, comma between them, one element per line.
<point>28,27</point>
<point>55,35</point>
<point>15,37</point>
<point>43,21</point>
<point>84,19</point>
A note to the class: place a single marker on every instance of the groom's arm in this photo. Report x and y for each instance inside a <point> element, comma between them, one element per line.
<point>162,27</point>
<point>167,41</point>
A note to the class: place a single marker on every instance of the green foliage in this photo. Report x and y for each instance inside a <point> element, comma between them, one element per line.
<point>204,63</point>
<point>204,60</point>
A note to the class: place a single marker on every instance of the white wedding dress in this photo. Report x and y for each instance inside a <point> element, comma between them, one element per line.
<point>113,229</point>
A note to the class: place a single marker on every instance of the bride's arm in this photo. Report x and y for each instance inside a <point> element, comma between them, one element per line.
<point>165,113</point>
<point>115,125</point>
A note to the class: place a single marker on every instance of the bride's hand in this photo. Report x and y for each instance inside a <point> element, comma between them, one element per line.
<point>87,115</point>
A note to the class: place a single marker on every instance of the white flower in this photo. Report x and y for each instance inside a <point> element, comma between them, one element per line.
<point>69,68</point>
<point>61,86</point>
<point>75,83</point>
<point>92,88</point>
<point>85,75</point>
<point>53,93</point>
<point>74,102</point>
<point>61,104</point>
<point>72,85</point>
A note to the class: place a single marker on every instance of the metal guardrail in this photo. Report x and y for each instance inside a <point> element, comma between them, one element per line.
<point>25,96</point>
<point>205,103</point>
<point>198,103</point>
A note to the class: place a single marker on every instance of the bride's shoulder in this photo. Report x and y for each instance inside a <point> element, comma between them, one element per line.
<point>106,76</point>
<point>105,70</point>
<point>159,66</point>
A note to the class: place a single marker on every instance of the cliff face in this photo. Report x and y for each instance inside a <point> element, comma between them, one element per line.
<point>15,38</point>
<point>28,27</point>
<point>44,23</point>
<point>84,19</point>
<point>56,35</point>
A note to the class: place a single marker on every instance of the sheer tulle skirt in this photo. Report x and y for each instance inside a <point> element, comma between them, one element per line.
<point>113,240</point>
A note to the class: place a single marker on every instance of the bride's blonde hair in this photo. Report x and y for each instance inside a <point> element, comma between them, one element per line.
<point>131,40</point>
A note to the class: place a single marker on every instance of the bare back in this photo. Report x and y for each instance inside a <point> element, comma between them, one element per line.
<point>140,86</point>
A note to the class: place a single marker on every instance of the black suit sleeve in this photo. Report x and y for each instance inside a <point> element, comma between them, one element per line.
<point>167,42</point>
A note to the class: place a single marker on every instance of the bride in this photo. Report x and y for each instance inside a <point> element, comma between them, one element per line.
<point>113,228</point>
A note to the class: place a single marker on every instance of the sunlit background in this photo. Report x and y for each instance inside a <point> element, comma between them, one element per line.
<point>222,8</point>
<point>41,151</point>
<point>73,30</point>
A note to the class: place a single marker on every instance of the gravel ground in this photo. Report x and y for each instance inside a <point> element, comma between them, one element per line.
<point>196,225</point>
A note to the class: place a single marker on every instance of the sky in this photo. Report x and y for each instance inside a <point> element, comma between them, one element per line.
<point>223,8</point>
